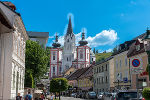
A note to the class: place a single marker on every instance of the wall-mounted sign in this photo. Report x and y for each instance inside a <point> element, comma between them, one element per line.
<point>136,64</point>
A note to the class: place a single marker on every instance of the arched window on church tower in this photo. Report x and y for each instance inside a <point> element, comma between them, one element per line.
<point>53,70</point>
<point>54,55</point>
<point>81,54</point>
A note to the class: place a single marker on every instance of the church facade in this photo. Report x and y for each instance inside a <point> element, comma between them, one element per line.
<point>70,55</point>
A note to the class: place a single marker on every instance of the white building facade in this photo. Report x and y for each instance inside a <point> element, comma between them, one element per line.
<point>62,58</point>
<point>12,59</point>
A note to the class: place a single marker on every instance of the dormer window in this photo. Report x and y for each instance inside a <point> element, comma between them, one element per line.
<point>137,47</point>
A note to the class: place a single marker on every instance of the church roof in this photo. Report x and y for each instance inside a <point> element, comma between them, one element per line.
<point>69,29</point>
<point>56,44</point>
<point>83,42</point>
<point>87,73</point>
<point>77,73</point>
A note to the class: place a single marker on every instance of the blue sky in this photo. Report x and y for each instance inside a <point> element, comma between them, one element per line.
<point>107,22</point>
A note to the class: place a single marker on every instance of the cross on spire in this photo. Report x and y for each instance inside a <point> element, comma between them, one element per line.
<point>83,35</point>
<point>56,39</point>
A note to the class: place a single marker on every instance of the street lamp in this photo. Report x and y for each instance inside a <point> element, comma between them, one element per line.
<point>59,88</point>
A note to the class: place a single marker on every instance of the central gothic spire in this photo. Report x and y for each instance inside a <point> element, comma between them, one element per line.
<point>69,29</point>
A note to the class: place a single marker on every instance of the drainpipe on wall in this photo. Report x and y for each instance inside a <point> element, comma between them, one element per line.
<point>148,53</point>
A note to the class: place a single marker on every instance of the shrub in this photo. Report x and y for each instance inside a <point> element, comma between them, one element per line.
<point>146,93</point>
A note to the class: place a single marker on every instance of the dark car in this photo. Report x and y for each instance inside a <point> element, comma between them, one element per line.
<point>91,95</point>
<point>127,96</point>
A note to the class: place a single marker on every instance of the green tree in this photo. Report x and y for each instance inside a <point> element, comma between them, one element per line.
<point>55,85</point>
<point>115,50</point>
<point>146,93</point>
<point>94,50</point>
<point>36,61</point>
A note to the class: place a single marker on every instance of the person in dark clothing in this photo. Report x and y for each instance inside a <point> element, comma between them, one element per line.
<point>18,97</point>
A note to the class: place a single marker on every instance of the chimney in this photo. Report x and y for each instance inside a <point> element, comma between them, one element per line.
<point>9,4</point>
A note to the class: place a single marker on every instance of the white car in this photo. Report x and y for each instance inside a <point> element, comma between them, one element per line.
<point>100,95</point>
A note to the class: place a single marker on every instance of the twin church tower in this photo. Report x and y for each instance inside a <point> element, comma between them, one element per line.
<point>70,55</point>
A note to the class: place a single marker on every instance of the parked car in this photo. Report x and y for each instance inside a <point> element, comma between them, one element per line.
<point>74,95</point>
<point>100,96</point>
<point>128,95</point>
<point>113,95</point>
<point>91,95</point>
<point>79,95</point>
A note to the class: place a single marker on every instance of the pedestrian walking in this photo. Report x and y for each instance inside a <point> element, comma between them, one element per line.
<point>42,97</point>
<point>18,97</point>
<point>51,97</point>
<point>28,96</point>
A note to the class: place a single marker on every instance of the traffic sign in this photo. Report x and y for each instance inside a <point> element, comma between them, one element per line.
<point>125,79</point>
<point>136,65</point>
<point>135,62</point>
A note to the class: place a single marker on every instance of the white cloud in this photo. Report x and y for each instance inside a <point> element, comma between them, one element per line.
<point>77,37</point>
<point>51,37</point>
<point>106,37</point>
<point>109,50</point>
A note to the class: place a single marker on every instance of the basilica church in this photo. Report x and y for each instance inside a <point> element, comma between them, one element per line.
<point>70,55</point>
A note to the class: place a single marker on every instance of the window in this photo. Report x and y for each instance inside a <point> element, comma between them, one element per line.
<point>87,55</point>
<point>97,80</point>
<point>102,80</point>
<point>106,67</point>
<point>92,59</point>
<point>120,76</point>
<point>67,58</point>
<point>53,55</point>
<point>126,74</point>
<point>99,69</point>
<point>94,70</point>
<point>53,70</point>
<point>81,54</point>
<point>14,80</point>
<point>116,63</point>
<point>126,63</point>
<point>20,82</point>
<point>137,47</point>
<point>106,79</point>
<point>102,68</point>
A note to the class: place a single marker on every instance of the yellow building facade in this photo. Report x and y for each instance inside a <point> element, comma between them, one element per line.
<point>122,78</point>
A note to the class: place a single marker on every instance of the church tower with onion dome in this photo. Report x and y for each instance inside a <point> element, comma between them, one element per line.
<point>56,59</point>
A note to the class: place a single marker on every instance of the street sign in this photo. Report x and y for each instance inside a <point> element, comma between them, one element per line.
<point>135,62</point>
<point>136,65</point>
<point>125,80</point>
